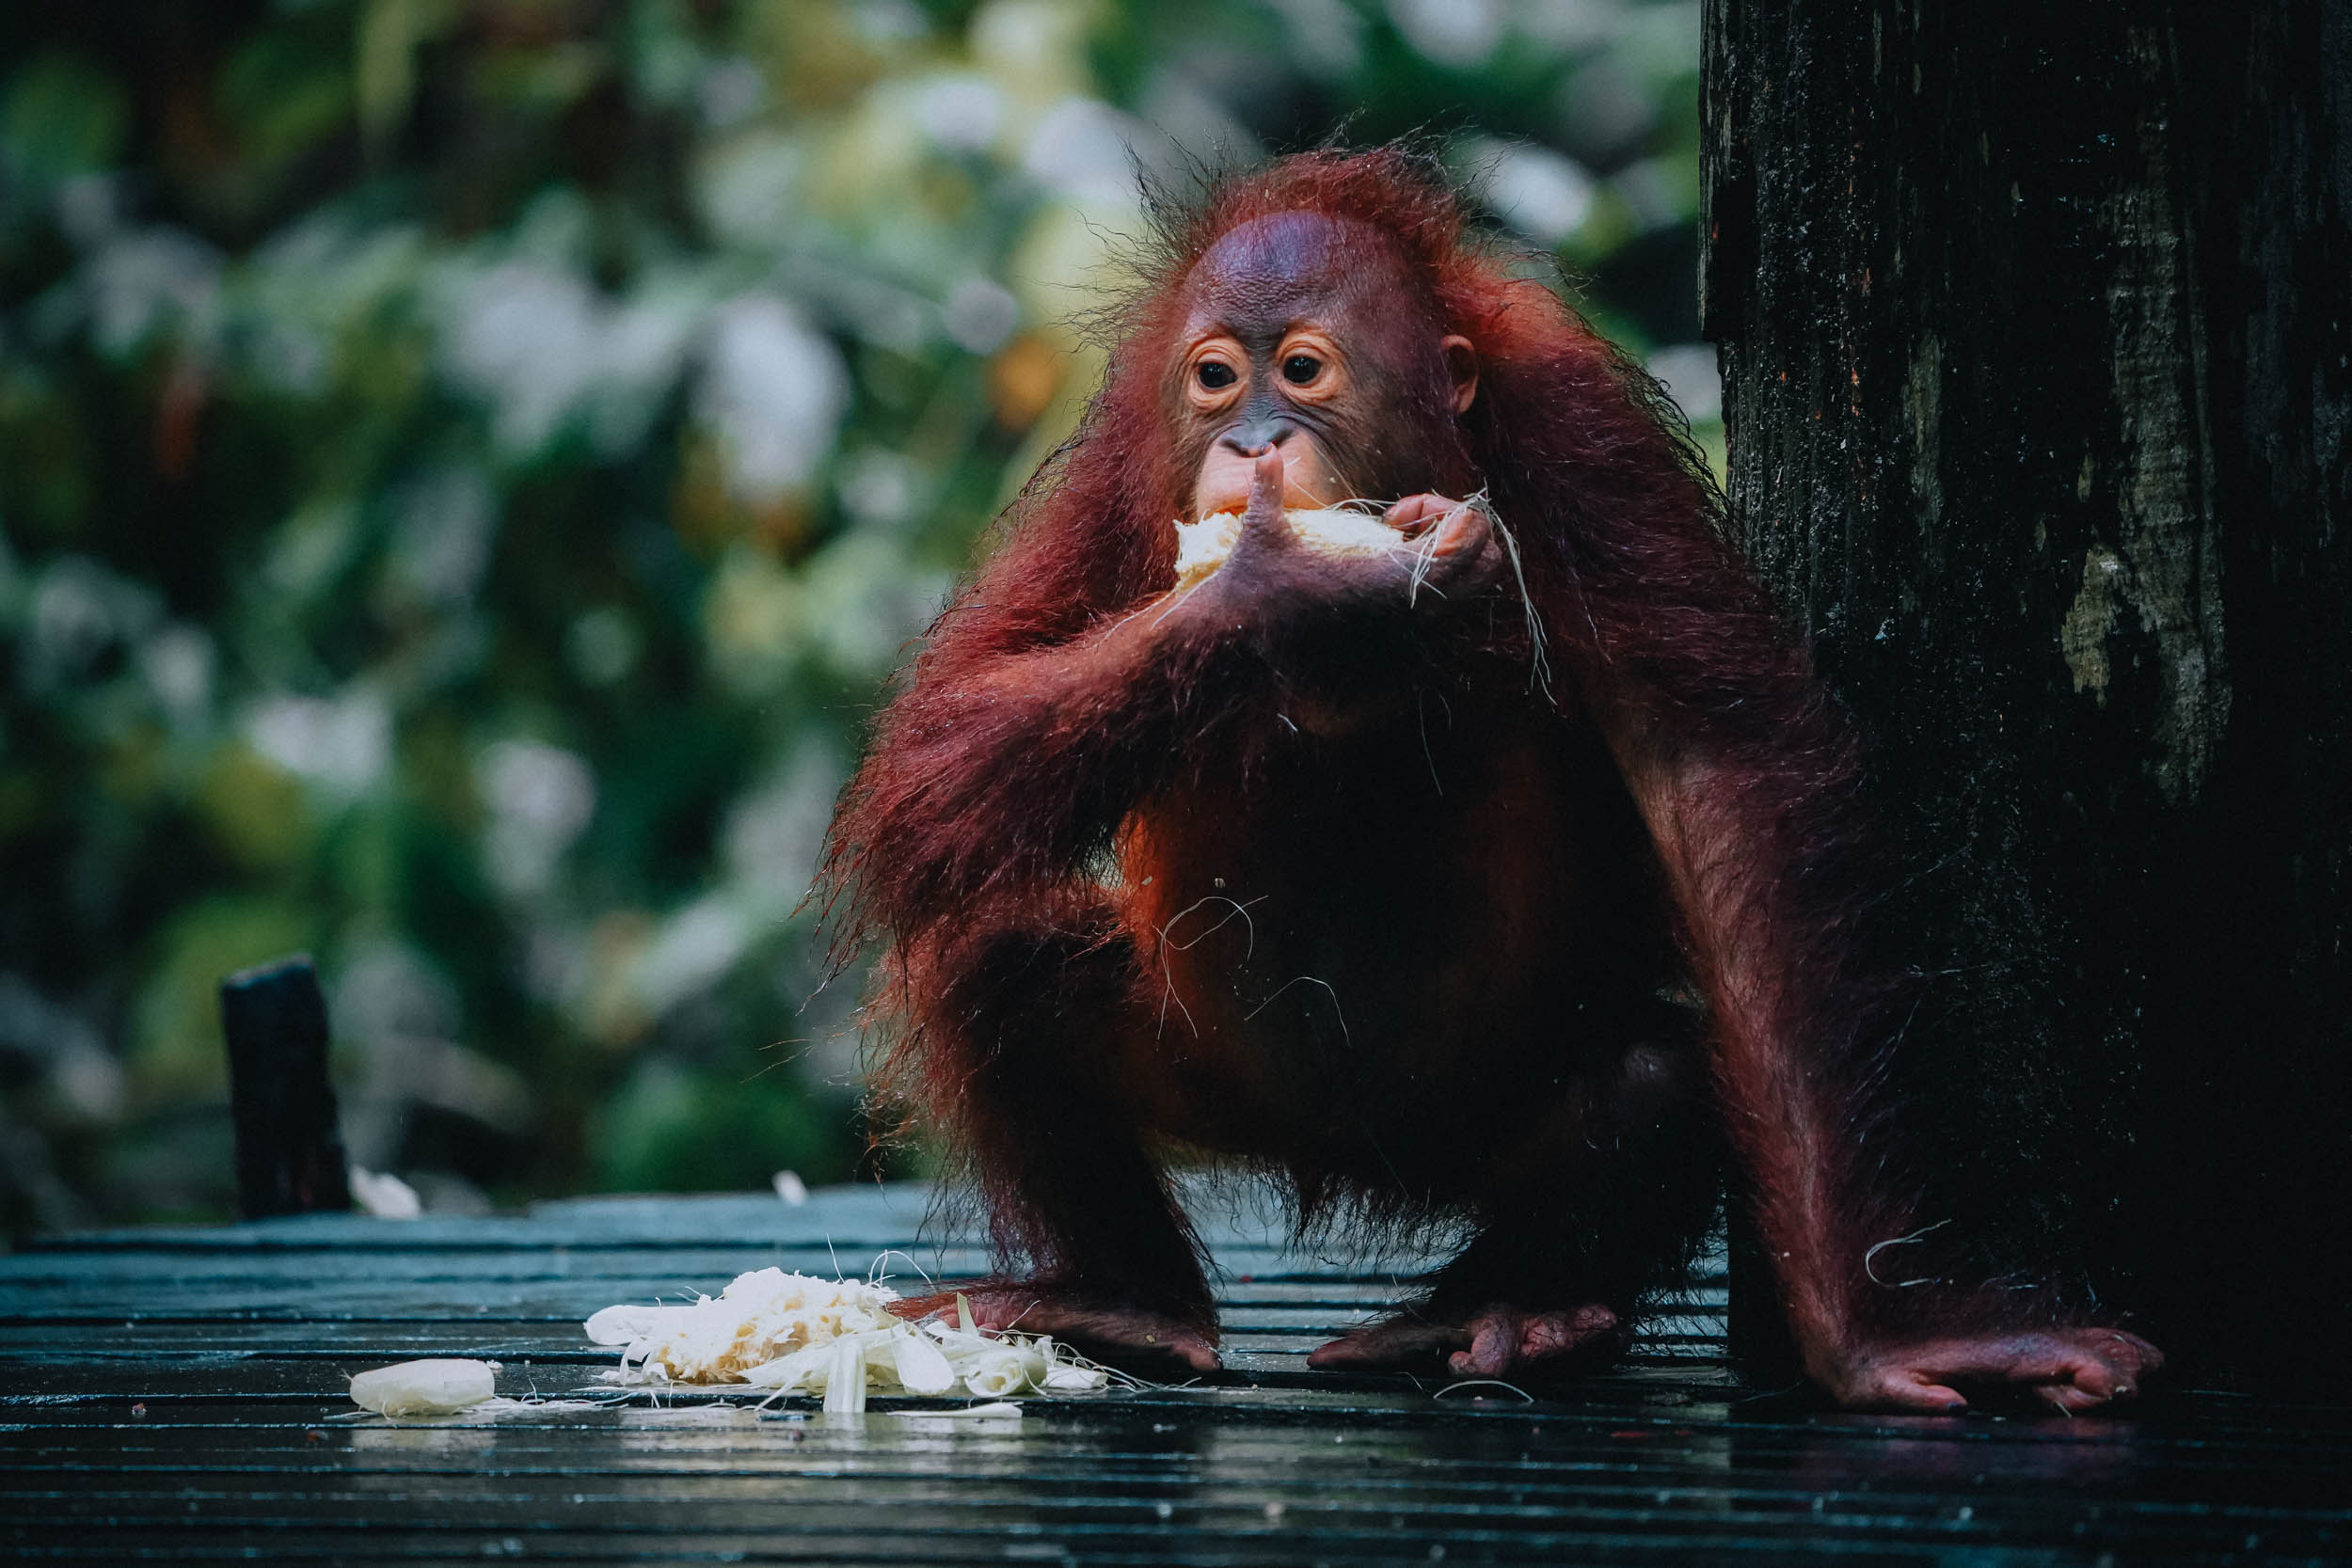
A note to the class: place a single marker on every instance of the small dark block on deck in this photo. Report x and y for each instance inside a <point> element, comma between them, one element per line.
<point>290,1154</point>
<point>179,1394</point>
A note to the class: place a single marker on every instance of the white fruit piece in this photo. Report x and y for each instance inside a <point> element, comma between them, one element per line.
<point>424,1387</point>
<point>1201,548</point>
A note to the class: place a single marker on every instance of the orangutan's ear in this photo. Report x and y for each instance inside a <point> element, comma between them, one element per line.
<point>1461,363</point>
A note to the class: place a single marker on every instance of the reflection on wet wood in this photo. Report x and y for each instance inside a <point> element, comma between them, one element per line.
<point>180,1393</point>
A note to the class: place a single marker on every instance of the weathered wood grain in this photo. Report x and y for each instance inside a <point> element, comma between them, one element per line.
<point>180,1395</point>
<point>2036,332</point>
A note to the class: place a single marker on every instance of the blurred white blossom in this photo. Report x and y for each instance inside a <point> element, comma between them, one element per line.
<point>540,797</point>
<point>1659,39</point>
<point>147,280</point>
<point>980,314</point>
<point>1189,114</point>
<point>645,342</point>
<point>290,357</point>
<point>323,282</point>
<point>1568,23</point>
<point>1457,33</point>
<point>385,990</point>
<point>879,488</point>
<point>962,113</point>
<point>78,1068</point>
<point>525,339</point>
<point>80,610</point>
<point>775,833</point>
<point>695,947</point>
<point>773,390</point>
<point>748,190</point>
<point>881,312</point>
<point>405,1016</point>
<point>1542,194</point>
<point>1689,376</point>
<point>1326,36</point>
<point>177,663</point>
<point>542,349</point>
<point>1086,150</point>
<point>1034,48</point>
<point>1659,196</point>
<point>344,743</point>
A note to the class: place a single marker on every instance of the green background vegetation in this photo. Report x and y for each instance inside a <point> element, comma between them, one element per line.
<point>468,466</point>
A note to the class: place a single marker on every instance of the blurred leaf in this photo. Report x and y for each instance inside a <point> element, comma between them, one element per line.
<point>256,809</point>
<point>60,117</point>
<point>673,1130</point>
<point>281,95</point>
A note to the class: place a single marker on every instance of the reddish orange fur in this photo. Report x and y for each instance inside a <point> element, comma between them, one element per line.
<point>1471,927</point>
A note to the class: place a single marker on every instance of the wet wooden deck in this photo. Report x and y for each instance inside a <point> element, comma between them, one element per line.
<point>179,1394</point>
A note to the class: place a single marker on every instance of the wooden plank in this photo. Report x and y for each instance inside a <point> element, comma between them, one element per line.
<point>179,1394</point>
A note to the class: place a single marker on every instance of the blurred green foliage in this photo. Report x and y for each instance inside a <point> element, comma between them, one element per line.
<point>467,467</point>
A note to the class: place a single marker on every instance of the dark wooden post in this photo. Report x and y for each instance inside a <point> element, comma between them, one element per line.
<point>2036,326</point>
<point>290,1151</point>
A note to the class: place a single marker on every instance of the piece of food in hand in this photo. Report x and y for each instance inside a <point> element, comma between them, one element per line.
<point>1201,548</point>
<point>440,1388</point>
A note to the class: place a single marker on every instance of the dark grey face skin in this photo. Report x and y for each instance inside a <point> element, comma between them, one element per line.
<point>1256,285</point>
<point>1306,335</point>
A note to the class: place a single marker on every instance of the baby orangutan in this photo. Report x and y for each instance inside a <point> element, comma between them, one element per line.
<point>1376,868</point>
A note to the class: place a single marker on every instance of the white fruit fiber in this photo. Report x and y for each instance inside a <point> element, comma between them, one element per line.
<point>759,1316</point>
<point>794,1334</point>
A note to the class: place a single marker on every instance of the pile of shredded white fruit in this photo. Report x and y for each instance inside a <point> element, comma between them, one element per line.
<point>793,1333</point>
<point>1201,548</point>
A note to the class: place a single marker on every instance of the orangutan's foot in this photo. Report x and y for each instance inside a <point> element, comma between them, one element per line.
<point>1109,1330</point>
<point>1495,1341</point>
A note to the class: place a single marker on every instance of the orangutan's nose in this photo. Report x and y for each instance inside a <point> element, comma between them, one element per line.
<point>1251,437</point>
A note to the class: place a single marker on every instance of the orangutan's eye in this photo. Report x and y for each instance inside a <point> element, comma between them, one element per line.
<point>1214,374</point>
<point>1299,369</point>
